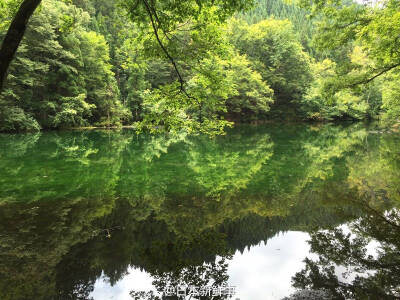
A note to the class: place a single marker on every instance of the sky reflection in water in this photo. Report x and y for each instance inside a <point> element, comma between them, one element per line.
<point>262,272</point>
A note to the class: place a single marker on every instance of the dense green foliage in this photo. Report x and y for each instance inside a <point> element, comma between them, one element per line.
<point>172,66</point>
<point>364,44</point>
<point>62,75</point>
<point>275,52</point>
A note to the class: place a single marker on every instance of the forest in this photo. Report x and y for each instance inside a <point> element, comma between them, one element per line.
<point>296,193</point>
<point>201,66</point>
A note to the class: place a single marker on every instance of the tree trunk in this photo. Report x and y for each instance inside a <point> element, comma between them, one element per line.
<point>14,36</point>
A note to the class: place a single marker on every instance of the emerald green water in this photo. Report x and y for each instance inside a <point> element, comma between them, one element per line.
<point>80,207</point>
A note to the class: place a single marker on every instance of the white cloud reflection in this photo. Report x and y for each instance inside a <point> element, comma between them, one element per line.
<point>265,271</point>
<point>262,273</point>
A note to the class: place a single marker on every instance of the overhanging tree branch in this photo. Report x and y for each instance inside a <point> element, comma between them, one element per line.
<point>381,72</point>
<point>150,11</point>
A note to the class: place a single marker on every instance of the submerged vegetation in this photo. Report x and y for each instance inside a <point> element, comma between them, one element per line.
<point>198,66</point>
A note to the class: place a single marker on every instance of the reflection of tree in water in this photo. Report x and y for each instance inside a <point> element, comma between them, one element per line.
<point>366,275</point>
<point>192,183</point>
<point>374,175</point>
<point>174,202</point>
<point>210,275</point>
<point>19,143</point>
<point>63,165</point>
<point>48,202</point>
<point>225,167</point>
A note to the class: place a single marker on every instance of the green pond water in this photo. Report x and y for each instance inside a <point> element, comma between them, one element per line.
<point>268,210</point>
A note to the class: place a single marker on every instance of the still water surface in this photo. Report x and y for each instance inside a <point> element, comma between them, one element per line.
<point>272,210</point>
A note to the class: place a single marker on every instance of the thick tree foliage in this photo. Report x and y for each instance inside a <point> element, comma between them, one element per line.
<point>164,13</point>
<point>373,27</point>
<point>190,65</point>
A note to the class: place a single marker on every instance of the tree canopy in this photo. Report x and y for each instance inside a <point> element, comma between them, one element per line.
<point>200,66</point>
